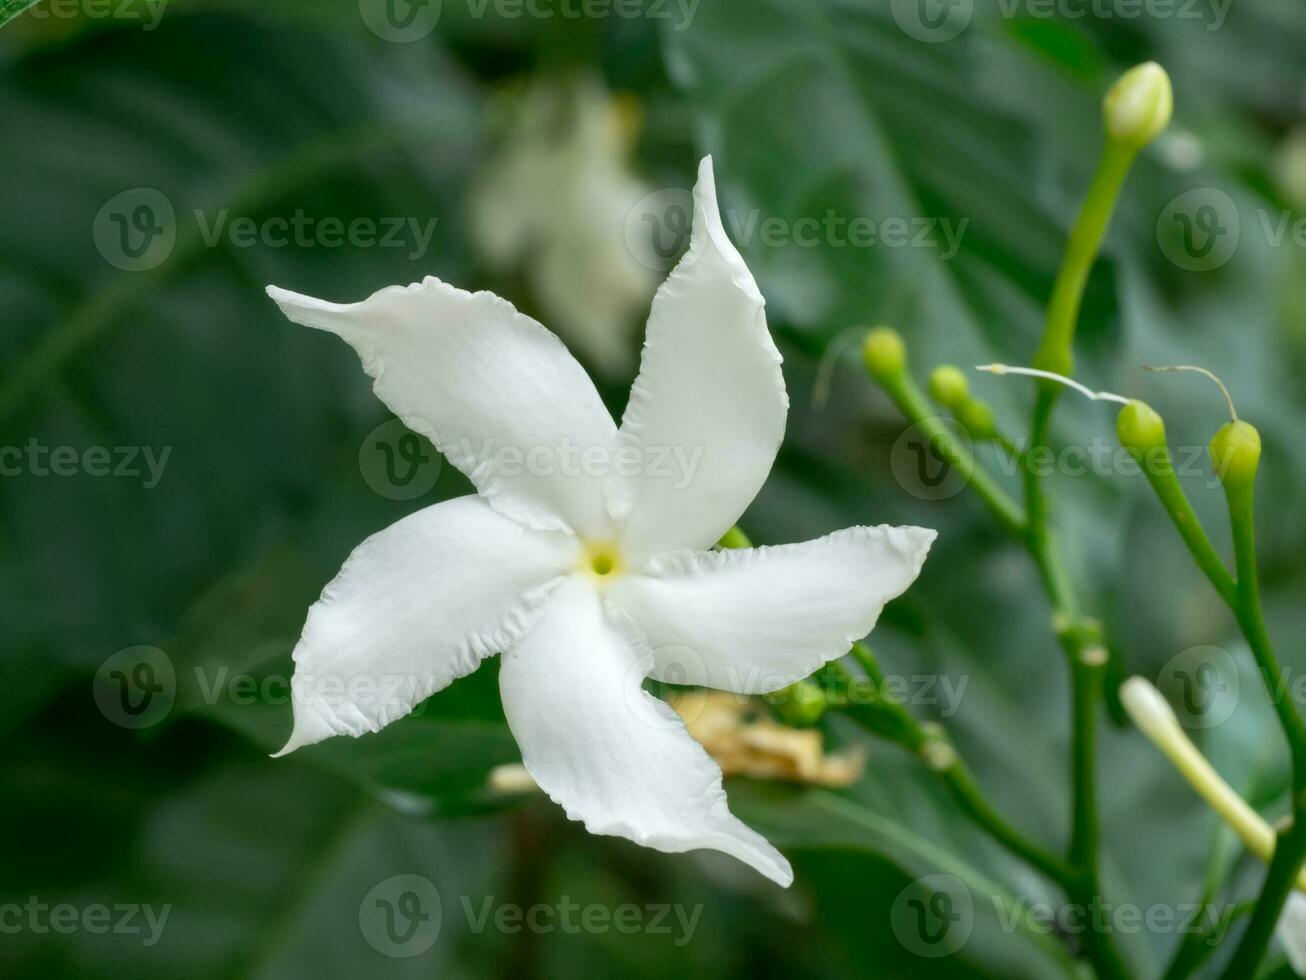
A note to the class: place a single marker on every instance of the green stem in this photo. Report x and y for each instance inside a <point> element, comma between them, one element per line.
<point>1086,686</point>
<point>1086,657</point>
<point>889,719</point>
<point>1081,643</point>
<point>1290,845</point>
<point>913,405</point>
<point>1054,354</point>
<point>1289,850</point>
<point>1159,469</point>
<point>1088,660</point>
<point>1252,620</point>
<point>1198,944</point>
<point>961,784</point>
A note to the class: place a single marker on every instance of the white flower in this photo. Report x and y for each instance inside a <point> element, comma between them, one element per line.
<point>591,577</point>
<point>556,199</point>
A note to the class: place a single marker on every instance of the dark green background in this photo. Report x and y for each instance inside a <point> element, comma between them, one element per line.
<point>806,106</point>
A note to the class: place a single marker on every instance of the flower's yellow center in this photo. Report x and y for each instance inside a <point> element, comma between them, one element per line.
<point>601,559</point>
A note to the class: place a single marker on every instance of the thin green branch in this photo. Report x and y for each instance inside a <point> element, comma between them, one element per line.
<point>1197,945</point>
<point>889,719</point>
<point>910,400</point>
<point>1086,656</point>
<point>1055,351</point>
<point>1290,845</point>
<point>1159,469</point>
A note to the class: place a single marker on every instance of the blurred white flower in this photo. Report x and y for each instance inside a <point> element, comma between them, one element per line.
<point>589,577</point>
<point>554,202</point>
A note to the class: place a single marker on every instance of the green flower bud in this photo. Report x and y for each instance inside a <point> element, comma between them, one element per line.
<point>977,417</point>
<point>1139,105</point>
<point>1140,429</point>
<point>948,386</point>
<point>884,353</point>
<point>1236,452</point>
<point>801,704</point>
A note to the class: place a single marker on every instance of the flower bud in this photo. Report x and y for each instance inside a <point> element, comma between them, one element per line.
<point>800,705</point>
<point>884,353</point>
<point>977,417</point>
<point>1236,452</point>
<point>1150,711</point>
<point>1139,105</point>
<point>948,386</point>
<point>1140,429</point>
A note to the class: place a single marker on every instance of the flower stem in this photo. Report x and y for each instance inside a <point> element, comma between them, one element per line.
<point>1084,652</point>
<point>1054,353</point>
<point>1198,944</point>
<point>888,718</point>
<point>1159,469</point>
<point>1290,844</point>
<point>1289,849</point>
<point>910,400</point>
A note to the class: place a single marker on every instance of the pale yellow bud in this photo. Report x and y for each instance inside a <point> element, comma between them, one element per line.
<point>1139,105</point>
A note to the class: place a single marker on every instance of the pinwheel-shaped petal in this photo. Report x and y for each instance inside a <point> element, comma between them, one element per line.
<point>586,557</point>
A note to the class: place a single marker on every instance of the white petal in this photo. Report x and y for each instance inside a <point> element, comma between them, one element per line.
<point>1291,931</point>
<point>754,620</point>
<point>492,389</point>
<point>415,607</point>
<point>612,755</point>
<point>707,412</point>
